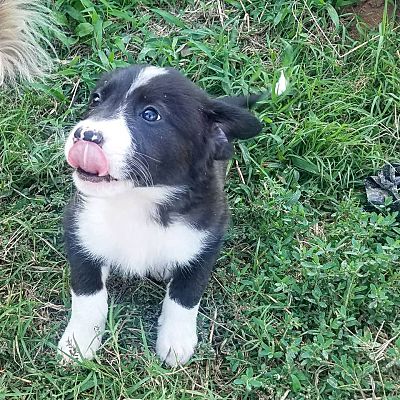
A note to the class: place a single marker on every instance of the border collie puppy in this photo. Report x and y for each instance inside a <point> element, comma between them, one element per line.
<point>150,161</point>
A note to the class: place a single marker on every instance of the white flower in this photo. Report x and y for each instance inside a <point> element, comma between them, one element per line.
<point>281,85</point>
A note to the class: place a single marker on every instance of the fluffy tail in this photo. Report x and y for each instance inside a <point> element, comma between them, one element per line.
<point>21,54</point>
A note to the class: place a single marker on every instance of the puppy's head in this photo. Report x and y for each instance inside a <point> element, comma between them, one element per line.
<point>149,126</point>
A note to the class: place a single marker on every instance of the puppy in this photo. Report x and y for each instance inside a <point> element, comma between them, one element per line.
<point>150,160</point>
<point>21,55</point>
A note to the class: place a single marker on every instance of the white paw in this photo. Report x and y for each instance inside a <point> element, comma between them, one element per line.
<point>82,337</point>
<point>175,348</point>
<point>79,343</point>
<point>175,344</point>
<point>177,336</point>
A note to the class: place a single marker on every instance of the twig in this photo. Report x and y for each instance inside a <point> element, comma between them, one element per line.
<point>240,172</point>
<point>74,90</point>
<point>321,30</point>
<point>285,395</point>
<point>363,44</point>
<point>220,12</point>
<point>212,326</point>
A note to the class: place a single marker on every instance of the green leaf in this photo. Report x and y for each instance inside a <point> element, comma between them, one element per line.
<point>294,198</point>
<point>296,385</point>
<point>74,14</point>
<point>168,17</point>
<point>304,164</point>
<point>103,58</point>
<point>123,15</point>
<point>333,14</point>
<point>344,3</point>
<point>87,4</point>
<point>332,381</point>
<point>84,29</point>
<point>98,32</point>
<point>203,48</point>
<point>277,138</point>
<point>245,153</point>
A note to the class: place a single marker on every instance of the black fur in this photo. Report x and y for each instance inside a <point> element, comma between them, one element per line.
<point>85,271</point>
<point>188,284</point>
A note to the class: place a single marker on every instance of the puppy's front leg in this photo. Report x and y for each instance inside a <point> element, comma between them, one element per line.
<point>177,324</point>
<point>82,337</point>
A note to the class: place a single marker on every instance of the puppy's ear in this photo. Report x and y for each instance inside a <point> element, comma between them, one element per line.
<point>233,119</point>
<point>223,149</point>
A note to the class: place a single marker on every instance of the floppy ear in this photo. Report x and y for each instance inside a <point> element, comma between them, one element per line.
<point>235,121</point>
<point>223,149</point>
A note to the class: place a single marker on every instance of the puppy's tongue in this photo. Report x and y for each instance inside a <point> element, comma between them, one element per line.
<point>89,157</point>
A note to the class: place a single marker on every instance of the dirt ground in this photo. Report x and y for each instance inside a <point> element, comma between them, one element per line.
<point>371,11</point>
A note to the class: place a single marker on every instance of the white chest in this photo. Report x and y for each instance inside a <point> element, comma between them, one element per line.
<point>123,231</point>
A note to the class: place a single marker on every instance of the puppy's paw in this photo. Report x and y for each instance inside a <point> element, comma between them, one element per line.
<point>175,344</point>
<point>79,343</point>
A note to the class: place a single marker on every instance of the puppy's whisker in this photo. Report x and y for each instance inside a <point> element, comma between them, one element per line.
<point>138,169</point>
<point>143,168</point>
<point>147,156</point>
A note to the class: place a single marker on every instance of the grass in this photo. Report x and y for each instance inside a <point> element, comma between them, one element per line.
<point>305,301</point>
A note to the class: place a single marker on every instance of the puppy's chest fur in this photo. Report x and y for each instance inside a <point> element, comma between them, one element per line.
<point>125,232</point>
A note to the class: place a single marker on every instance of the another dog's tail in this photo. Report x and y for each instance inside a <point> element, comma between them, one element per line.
<point>21,34</point>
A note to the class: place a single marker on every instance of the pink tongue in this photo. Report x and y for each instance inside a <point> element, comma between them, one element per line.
<point>89,157</point>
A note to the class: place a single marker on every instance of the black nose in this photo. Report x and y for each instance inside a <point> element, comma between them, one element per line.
<point>89,136</point>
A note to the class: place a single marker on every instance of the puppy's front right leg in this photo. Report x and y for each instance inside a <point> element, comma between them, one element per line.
<point>82,337</point>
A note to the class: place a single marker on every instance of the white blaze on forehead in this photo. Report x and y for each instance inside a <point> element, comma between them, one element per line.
<point>144,77</point>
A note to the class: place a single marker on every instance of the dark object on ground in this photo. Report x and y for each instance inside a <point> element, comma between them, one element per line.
<point>385,184</point>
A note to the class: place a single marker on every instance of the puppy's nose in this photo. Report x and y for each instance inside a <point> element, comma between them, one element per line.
<point>89,136</point>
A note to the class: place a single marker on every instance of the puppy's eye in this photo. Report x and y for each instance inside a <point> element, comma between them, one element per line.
<point>150,114</point>
<point>96,99</point>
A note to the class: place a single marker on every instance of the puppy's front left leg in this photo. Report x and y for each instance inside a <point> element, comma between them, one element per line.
<point>82,336</point>
<point>177,324</point>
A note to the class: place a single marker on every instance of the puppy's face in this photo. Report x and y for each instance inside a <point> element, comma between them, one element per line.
<point>149,126</point>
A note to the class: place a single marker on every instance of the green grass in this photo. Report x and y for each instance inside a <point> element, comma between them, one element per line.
<point>305,301</point>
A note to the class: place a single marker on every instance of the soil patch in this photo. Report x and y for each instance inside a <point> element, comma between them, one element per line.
<point>371,11</point>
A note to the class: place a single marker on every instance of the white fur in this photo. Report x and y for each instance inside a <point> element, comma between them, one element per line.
<point>82,337</point>
<point>101,189</point>
<point>177,337</point>
<point>144,77</point>
<point>117,146</point>
<point>122,230</point>
<point>117,141</point>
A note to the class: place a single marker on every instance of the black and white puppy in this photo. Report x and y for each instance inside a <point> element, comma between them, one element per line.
<point>150,161</point>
